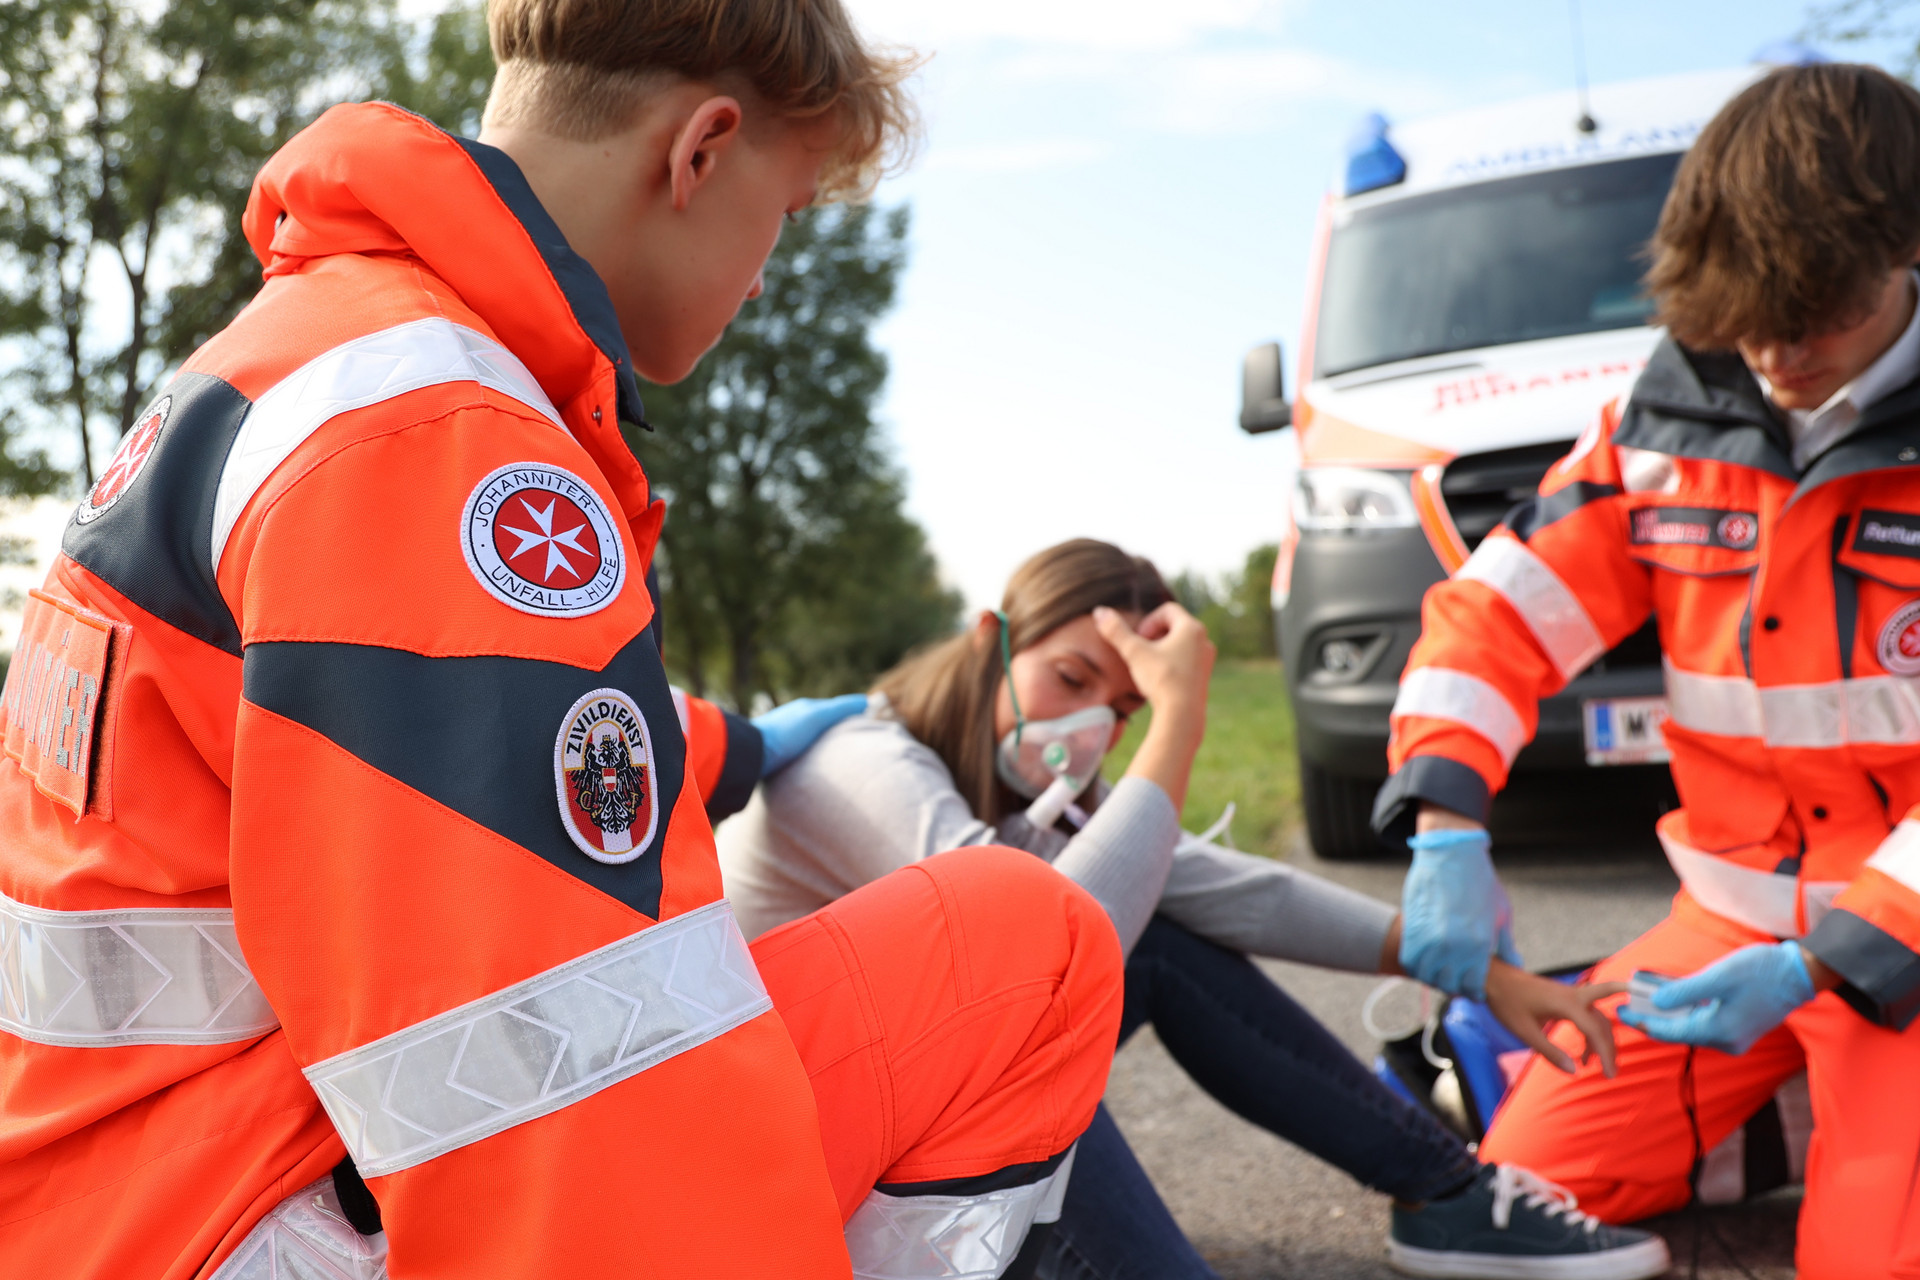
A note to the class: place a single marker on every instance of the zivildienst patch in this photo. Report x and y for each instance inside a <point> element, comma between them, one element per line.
<point>1899,647</point>
<point>603,773</point>
<point>128,462</point>
<point>540,539</point>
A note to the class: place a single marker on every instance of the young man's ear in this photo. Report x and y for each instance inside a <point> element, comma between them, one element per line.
<point>713,127</point>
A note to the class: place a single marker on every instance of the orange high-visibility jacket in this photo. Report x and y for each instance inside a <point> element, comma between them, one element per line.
<point>1789,614</point>
<point>345,807</point>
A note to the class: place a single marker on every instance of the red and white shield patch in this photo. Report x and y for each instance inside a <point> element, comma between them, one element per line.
<point>129,460</point>
<point>1899,647</point>
<point>540,539</point>
<point>603,774</point>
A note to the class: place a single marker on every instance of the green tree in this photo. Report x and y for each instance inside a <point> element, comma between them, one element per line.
<point>789,565</point>
<point>130,134</point>
<point>1237,610</point>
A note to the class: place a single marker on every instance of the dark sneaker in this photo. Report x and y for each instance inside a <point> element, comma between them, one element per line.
<point>1512,1224</point>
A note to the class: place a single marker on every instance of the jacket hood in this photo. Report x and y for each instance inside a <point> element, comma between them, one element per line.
<point>372,178</point>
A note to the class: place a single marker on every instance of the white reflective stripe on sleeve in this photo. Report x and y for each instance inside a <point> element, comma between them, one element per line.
<point>146,976</point>
<point>1444,694</point>
<point>1725,705</point>
<point>1898,856</point>
<point>1760,900</point>
<point>680,707</point>
<point>307,1237</point>
<point>365,371</point>
<point>1549,608</point>
<point>542,1044</point>
<point>1833,713</point>
<point>951,1237</point>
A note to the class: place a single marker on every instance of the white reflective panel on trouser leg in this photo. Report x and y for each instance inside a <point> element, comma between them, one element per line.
<point>542,1044</point>
<point>951,1237</point>
<point>307,1237</point>
<point>105,978</point>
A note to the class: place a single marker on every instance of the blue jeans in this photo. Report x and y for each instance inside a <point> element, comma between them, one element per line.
<point>1246,1042</point>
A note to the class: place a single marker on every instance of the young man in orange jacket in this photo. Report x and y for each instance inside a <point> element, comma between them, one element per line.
<point>1758,492</point>
<point>354,870</point>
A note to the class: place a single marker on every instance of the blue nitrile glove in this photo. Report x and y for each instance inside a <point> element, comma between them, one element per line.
<point>790,728</point>
<point>1454,914</point>
<point>1732,1002</point>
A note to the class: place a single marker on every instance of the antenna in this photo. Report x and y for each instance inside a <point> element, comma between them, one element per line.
<point>1586,122</point>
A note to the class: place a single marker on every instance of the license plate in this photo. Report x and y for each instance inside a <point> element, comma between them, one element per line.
<point>1625,730</point>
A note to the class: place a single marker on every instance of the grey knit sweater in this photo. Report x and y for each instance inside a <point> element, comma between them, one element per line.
<point>869,798</point>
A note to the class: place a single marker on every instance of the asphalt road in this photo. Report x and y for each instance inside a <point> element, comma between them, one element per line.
<point>1586,875</point>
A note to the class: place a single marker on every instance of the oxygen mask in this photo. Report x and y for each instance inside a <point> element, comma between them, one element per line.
<point>1050,761</point>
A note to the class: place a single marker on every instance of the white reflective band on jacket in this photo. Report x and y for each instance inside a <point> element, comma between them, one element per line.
<point>1761,900</point>
<point>951,1237</point>
<point>365,371</point>
<point>307,1237</point>
<point>541,1044</point>
<point>1899,855</point>
<point>145,976</point>
<point>1876,709</point>
<point>1551,611</point>
<point>1441,693</point>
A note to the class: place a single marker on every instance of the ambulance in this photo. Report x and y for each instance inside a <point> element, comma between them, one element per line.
<point>1474,298</point>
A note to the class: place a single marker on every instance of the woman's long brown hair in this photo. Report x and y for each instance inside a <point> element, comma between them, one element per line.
<point>944,695</point>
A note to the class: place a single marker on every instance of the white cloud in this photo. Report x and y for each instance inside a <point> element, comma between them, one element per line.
<point>1094,24</point>
<point>1029,155</point>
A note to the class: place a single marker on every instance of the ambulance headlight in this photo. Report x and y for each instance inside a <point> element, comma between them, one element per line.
<point>1349,499</point>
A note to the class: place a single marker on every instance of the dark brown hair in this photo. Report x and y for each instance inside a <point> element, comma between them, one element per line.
<point>945,695</point>
<point>1790,209</point>
<point>582,69</point>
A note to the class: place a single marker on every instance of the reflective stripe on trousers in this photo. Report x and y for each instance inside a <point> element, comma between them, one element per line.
<point>1875,709</point>
<point>145,976</point>
<point>1761,900</point>
<point>951,1237</point>
<point>307,1237</point>
<point>541,1044</point>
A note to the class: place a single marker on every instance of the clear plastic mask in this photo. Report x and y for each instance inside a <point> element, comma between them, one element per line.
<point>1037,753</point>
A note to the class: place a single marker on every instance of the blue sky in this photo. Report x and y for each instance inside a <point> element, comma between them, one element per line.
<point>1115,200</point>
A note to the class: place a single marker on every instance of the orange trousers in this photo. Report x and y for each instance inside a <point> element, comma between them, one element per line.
<point>1625,1147</point>
<point>956,1017</point>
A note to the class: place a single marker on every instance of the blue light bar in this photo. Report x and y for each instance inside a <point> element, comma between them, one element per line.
<point>1788,53</point>
<point>1372,162</point>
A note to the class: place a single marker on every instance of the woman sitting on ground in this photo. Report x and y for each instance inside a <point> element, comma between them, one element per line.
<point>959,742</point>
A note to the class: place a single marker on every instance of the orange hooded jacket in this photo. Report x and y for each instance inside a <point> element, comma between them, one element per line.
<point>1788,605</point>
<point>341,769</point>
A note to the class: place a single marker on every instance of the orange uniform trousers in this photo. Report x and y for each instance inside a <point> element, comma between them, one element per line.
<point>956,1017</point>
<point>1625,1147</point>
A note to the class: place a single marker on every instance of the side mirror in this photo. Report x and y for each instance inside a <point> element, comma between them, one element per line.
<point>1263,393</point>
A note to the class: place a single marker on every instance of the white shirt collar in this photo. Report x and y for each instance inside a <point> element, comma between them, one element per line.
<point>1816,430</point>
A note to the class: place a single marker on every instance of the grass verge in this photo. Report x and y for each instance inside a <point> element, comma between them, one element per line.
<point>1247,758</point>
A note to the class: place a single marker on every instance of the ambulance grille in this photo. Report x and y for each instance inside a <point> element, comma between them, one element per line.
<point>1480,488</point>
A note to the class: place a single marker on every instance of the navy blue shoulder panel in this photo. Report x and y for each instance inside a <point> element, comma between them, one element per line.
<point>154,542</point>
<point>585,291</point>
<point>478,735</point>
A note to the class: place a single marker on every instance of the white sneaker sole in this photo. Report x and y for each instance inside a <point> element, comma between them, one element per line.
<point>1636,1262</point>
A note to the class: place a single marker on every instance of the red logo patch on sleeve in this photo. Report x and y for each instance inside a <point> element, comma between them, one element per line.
<point>53,707</point>
<point>603,772</point>
<point>539,539</point>
<point>129,460</point>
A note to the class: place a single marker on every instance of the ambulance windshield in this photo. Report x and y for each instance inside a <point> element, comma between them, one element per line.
<point>1540,256</point>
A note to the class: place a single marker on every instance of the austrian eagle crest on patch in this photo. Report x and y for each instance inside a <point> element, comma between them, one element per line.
<point>603,777</point>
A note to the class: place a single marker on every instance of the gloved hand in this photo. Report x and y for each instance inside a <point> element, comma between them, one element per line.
<point>790,728</point>
<point>1454,913</point>
<point>1733,1001</point>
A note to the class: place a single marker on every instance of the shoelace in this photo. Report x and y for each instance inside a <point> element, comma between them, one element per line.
<point>1511,1182</point>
